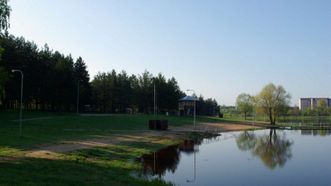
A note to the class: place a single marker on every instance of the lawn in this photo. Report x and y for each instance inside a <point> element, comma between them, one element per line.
<point>306,121</point>
<point>40,128</point>
<point>111,165</point>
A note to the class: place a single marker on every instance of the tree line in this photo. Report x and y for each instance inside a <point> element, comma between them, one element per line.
<point>53,81</point>
<point>57,82</point>
<point>273,101</point>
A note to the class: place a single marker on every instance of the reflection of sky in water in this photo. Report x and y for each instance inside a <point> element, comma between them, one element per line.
<point>292,158</point>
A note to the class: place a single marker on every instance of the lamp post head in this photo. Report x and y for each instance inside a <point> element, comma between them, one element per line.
<point>15,70</point>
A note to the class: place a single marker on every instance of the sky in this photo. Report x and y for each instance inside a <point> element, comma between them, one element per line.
<point>219,48</point>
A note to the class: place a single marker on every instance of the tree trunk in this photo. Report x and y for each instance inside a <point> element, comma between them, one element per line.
<point>270,136</point>
<point>272,117</point>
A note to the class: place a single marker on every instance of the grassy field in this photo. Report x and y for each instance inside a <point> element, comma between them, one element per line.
<point>41,128</point>
<point>282,120</point>
<point>111,165</point>
<point>108,165</point>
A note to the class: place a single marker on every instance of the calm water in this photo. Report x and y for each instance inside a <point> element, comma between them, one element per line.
<point>246,158</point>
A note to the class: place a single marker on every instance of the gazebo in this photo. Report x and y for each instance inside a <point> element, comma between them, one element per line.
<point>186,106</point>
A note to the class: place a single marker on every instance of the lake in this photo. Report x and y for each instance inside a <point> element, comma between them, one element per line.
<point>253,158</point>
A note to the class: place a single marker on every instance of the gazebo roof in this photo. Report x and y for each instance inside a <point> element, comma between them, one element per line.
<point>189,98</point>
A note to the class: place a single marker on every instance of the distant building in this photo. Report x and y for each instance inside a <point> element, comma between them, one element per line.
<point>186,105</point>
<point>311,103</point>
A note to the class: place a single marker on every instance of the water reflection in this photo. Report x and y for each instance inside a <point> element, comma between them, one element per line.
<point>167,159</point>
<point>246,141</point>
<point>273,149</point>
<point>221,163</point>
<point>157,163</point>
<point>316,132</point>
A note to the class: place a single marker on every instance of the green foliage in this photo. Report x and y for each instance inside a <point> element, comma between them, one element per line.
<point>294,111</point>
<point>53,81</point>
<point>245,104</point>
<point>118,92</point>
<point>4,76</point>
<point>4,24</point>
<point>322,108</point>
<point>273,101</point>
<point>82,78</point>
<point>207,107</point>
<point>228,110</point>
<point>48,76</point>
<point>4,15</point>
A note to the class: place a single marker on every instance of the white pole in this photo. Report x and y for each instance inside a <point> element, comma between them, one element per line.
<point>195,110</point>
<point>195,167</point>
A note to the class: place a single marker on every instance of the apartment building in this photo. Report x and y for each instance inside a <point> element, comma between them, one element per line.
<point>311,103</point>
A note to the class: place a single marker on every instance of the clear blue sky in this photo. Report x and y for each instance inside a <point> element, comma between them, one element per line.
<point>218,48</point>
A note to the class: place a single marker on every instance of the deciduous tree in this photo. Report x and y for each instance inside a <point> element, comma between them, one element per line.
<point>4,15</point>
<point>245,104</point>
<point>273,101</point>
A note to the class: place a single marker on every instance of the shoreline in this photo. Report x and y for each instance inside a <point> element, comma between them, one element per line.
<point>174,134</point>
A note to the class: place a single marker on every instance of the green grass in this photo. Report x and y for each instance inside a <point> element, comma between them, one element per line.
<point>52,128</point>
<point>281,119</point>
<point>99,166</point>
<point>294,122</point>
<point>111,165</point>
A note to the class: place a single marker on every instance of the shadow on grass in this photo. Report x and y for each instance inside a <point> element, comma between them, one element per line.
<point>32,171</point>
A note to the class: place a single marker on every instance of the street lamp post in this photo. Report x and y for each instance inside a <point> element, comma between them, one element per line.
<point>194,168</point>
<point>195,109</point>
<point>21,105</point>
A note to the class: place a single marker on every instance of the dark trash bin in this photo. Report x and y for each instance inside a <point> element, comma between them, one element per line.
<point>152,124</point>
<point>162,125</point>
<point>158,124</point>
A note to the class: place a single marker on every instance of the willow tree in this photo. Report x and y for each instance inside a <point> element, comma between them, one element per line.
<point>273,101</point>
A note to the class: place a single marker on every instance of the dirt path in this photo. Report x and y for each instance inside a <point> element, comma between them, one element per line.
<point>54,151</point>
<point>215,127</point>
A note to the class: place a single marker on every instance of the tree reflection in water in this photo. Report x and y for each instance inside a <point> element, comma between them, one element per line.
<point>157,163</point>
<point>321,132</point>
<point>167,159</point>
<point>246,141</point>
<point>273,149</point>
